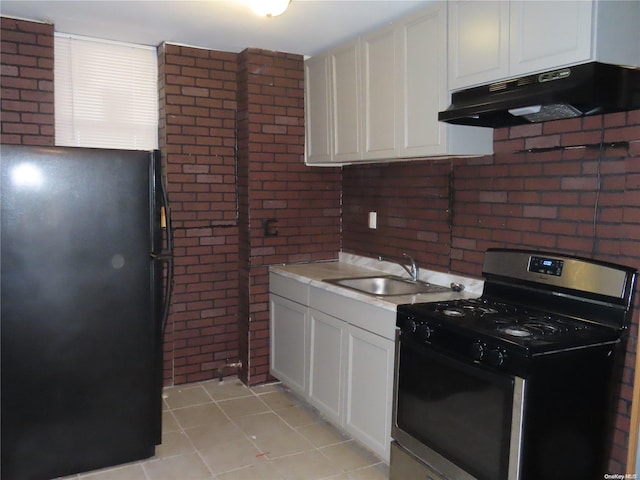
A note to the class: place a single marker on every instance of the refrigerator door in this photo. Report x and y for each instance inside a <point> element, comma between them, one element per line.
<point>79,337</point>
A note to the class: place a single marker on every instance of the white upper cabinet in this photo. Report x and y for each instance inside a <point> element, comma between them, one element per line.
<point>380,84</point>
<point>478,42</point>
<point>495,40</point>
<point>345,102</point>
<point>544,35</point>
<point>386,89</point>
<point>423,85</point>
<point>423,92</point>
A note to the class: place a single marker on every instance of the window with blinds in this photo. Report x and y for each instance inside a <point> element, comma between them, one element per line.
<point>106,94</point>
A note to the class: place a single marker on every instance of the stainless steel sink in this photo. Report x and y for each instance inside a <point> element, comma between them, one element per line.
<point>387,285</point>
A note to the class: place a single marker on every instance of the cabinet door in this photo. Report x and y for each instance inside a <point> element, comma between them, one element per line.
<point>289,340</point>
<point>345,102</point>
<point>545,35</point>
<point>423,83</point>
<point>369,389</point>
<point>317,110</point>
<point>327,364</point>
<point>379,93</point>
<point>478,42</point>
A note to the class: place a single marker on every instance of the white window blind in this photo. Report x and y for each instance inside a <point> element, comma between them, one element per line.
<point>106,94</point>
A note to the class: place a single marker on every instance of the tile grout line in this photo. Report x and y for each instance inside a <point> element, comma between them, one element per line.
<point>276,388</point>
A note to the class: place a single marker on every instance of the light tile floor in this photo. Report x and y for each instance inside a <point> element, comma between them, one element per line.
<point>227,431</point>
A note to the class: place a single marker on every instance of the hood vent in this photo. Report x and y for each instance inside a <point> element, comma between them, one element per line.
<point>588,89</point>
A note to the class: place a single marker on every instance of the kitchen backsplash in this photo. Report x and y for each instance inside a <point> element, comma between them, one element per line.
<point>548,186</point>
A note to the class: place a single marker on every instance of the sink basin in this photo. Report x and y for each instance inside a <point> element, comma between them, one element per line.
<point>387,285</point>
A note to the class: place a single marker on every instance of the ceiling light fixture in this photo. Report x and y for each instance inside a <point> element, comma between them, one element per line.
<point>269,8</point>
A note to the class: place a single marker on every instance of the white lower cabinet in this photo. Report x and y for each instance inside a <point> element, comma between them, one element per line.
<point>351,379</point>
<point>338,354</point>
<point>369,388</point>
<point>326,373</point>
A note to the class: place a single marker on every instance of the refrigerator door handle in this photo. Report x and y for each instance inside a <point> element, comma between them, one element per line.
<point>164,255</point>
<point>165,219</point>
<point>167,254</point>
<point>168,289</point>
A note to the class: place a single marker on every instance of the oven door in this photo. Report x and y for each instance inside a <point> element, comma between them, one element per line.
<point>459,417</point>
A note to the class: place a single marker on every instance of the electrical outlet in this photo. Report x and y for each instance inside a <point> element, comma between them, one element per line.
<point>373,220</point>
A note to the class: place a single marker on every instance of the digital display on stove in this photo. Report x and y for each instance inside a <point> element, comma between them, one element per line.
<point>546,266</point>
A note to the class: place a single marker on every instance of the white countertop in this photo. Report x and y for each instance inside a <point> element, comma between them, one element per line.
<point>350,265</point>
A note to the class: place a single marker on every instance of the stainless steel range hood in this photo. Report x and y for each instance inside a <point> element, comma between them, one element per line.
<point>587,89</point>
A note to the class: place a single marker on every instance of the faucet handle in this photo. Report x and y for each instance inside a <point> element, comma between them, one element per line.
<point>414,267</point>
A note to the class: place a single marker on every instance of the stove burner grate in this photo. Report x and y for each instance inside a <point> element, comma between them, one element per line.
<point>544,328</point>
<point>507,319</point>
<point>516,331</point>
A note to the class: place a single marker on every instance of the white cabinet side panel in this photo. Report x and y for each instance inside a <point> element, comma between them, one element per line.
<point>317,111</point>
<point>289,355</point>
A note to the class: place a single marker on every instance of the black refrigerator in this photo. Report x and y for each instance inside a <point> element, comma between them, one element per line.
<point>85,273</point>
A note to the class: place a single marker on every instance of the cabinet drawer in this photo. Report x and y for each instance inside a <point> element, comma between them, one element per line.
<point>372,318</point>
<point>289,288</point>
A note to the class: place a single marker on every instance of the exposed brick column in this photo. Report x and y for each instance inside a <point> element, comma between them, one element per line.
<point>197,138</point>
<point>27,114</point>
<point>304,201</point>
<point>244,248</point>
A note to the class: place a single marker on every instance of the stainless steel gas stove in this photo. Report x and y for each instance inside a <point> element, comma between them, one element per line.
<point>516,384</point>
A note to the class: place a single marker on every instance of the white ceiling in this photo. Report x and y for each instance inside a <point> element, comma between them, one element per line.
<point>307,27</point>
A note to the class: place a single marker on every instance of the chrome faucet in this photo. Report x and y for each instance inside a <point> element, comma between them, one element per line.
<point>414,271</point>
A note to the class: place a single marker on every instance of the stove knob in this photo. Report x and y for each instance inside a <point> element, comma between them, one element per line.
<point>495,358</point>
<point>410,325</point>
<point>424,332</point>
<point>477,351</point>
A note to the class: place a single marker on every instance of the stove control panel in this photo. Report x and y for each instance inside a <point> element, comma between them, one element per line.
<point>480,352</point>
<point>465,345</point>
<point>421,330</point>
<point>546,266</point>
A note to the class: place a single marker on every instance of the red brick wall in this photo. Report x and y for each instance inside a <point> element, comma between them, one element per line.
<point>412,203</point>
<point>305,202</point>
<point>536,191</point>
<point>197,137</point>
<point>26,83</point>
